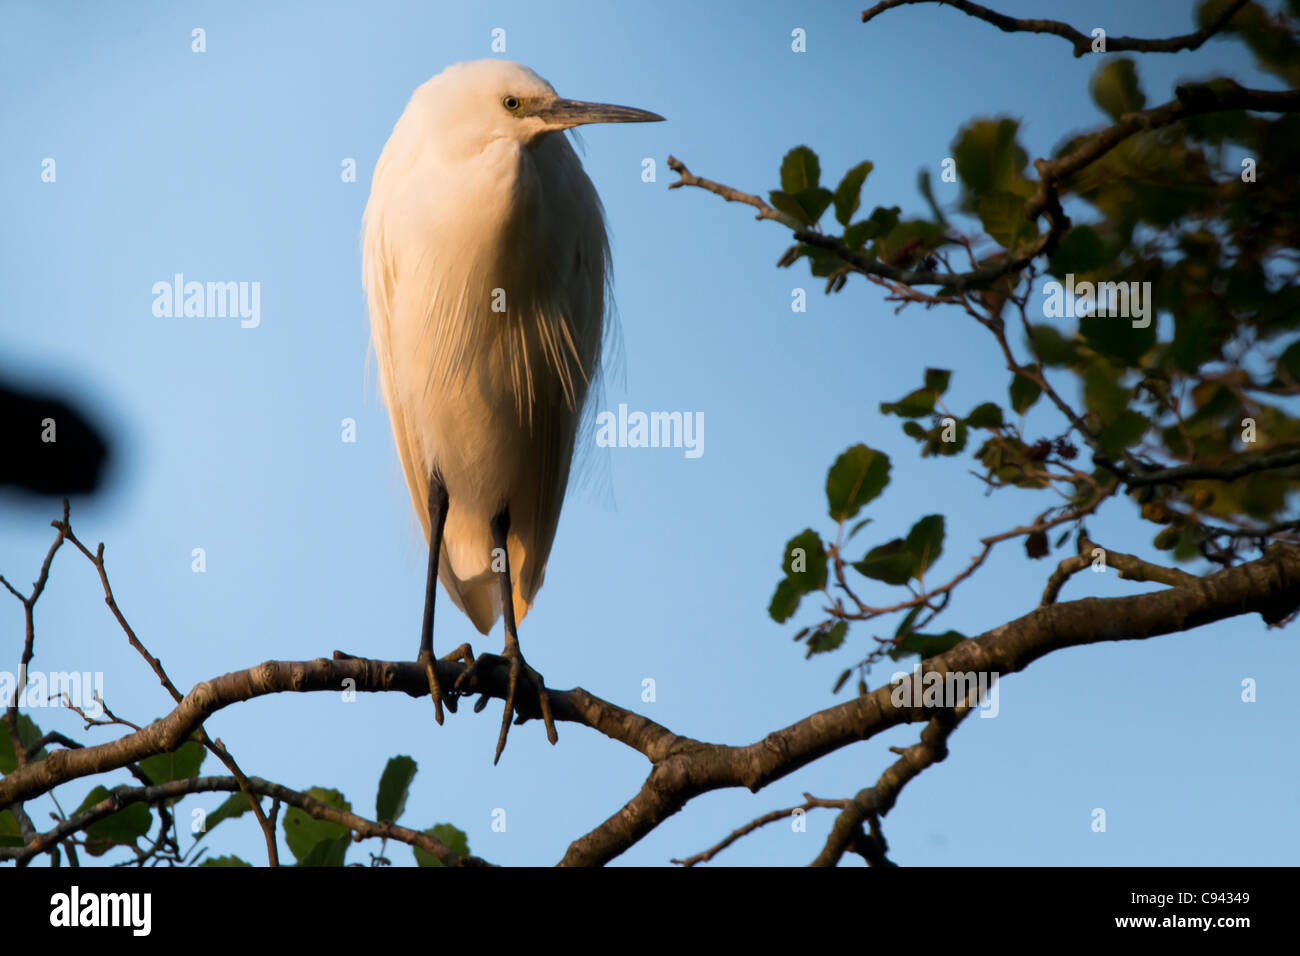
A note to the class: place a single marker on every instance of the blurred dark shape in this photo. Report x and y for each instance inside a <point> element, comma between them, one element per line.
<point>47,445</point>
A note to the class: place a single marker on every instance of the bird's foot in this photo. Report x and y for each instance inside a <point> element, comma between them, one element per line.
<point>518,667</point>
<point>435,688</point>
<point>463,653</point>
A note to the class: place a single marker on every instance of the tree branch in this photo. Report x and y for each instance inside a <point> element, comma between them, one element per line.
<point>1246,465</point>
<point>29,637</point>
<point>1127,566</point>
<point>216,747</point>
<point>729,194</point>
<point>810,802</point>
<point>1269,586</point>
<point>340,675</point>
<point>125,796</point>
<point>684,768</point>
<point>1082,43</point>
<point>1192,100</point>
<point>877,801</point>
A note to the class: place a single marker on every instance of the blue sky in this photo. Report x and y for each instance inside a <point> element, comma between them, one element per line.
<point>225,166</point>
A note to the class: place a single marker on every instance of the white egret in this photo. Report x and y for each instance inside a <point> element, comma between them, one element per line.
<point>485,264</point>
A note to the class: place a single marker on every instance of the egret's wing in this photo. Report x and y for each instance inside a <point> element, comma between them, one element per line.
<point>379,267</point>
<point>580,317</point>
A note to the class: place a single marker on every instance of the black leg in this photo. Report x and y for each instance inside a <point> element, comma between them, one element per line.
<point>437,521</point>
<point>512,653</point>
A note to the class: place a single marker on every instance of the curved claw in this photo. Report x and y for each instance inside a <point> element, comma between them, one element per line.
<point>465,683</point>
<point>435,689</point>
<point>463,653</point>
<point>517,666</point>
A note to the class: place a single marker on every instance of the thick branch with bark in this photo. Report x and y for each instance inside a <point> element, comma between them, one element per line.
<point>684,768</point>
<point>341,675</point>
<point>1269,586</point>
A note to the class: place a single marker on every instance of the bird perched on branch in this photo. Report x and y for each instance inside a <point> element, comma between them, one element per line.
<point>485,263</point>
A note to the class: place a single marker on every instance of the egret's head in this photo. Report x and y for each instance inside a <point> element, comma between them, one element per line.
<point>485,100</point>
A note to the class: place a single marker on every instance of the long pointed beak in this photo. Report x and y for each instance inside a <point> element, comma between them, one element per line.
<point>564,114</point>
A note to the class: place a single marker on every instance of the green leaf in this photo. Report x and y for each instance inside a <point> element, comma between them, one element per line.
<point>119,829</point>
<point>11,833</point>
<point>1166,539</point>
<point>805,561</point>
<point>936,379</point>
<point>885,219</point>
<point>822,262</point>
<point>913,429</point>
<point>789,205</point>
<point>848,194</point>
<point>394,785</point>
<point>858,526</point>
<point>927,645</point>
<point>28,734</point>
<point>858,476</point>
<point>1080,251</point>
<point>814,202</point>
<point>302,831</point>
<point>917,404</point>
<point>454,839</point>
<point>224,861</point>
<point>1194,341</point>
<point>927,192</point>
<point>880,223</point>
<point>785,601</point>
<point>986,415</point>
<point>822,641</point>
<point>807,205</point>
<point>925,542</point>
<point>180,764</point>
<point>330,851</point>
<point>939,443</point>
<point>1024,392</point>
<point>909,241</point>
<point>1103,392</point>
<point>1003,216</point>
<point>905,626</point>
<point>235,805</point>
<point>856,235</point>
<point>989,158</point>
<point>1116,336</point>
<point>800,170</point>
<point>891,563</point>
<point>1115,88</point>
<point>1051,346</point>
<point>1125,430</point>
<point>900,560</point>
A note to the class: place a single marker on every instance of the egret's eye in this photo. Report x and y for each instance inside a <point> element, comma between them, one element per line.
<point>511,103</point>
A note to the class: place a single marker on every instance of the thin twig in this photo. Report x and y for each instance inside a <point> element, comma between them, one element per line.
<point>125,796</point>
<point>222,754</point>
<point>810,802</point>
<point>1081,43</point>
